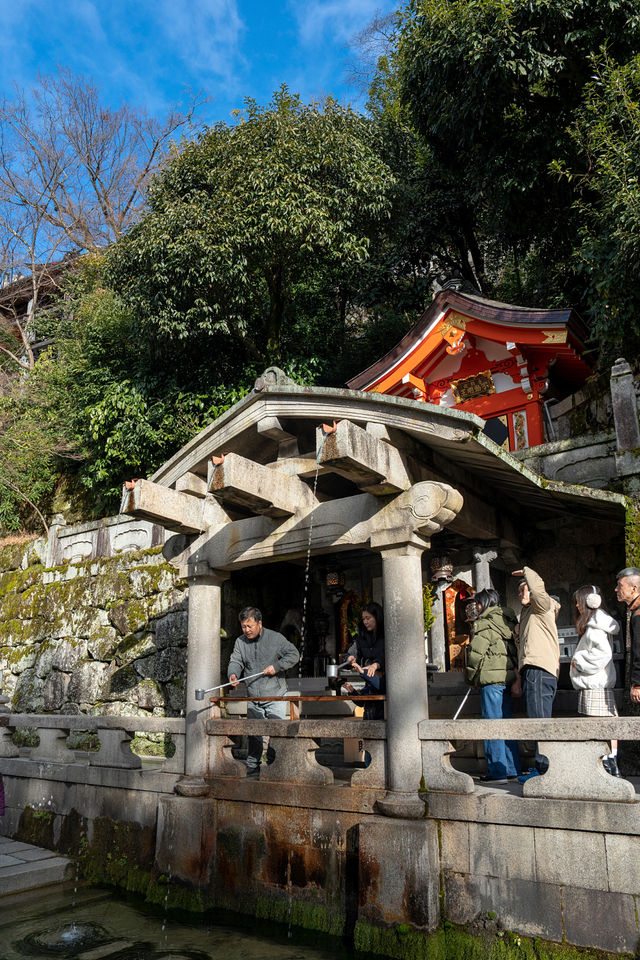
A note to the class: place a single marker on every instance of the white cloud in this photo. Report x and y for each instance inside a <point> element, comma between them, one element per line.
<point>205,34</point>
<point>341,18</point>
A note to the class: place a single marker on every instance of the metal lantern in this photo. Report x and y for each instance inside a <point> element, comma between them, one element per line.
<point>441,567</point>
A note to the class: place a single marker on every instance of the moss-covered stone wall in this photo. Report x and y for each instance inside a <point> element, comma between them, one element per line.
<point>105,636</point>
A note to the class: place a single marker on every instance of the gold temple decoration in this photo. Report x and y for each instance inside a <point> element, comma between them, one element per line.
<point>453,330</point>
<point>479,385</point>
<point>555,336</point>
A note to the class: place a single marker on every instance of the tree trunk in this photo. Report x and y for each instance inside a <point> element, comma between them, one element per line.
<point>276,282</point>
<point>467,222</point>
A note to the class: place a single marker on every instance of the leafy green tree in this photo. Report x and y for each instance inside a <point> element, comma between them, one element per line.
<point>123,404</point>
<point>606,180</point>
<point>247,215</point>
<point>491,86</point>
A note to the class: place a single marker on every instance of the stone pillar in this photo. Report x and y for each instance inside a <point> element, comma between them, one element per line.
<point>439,628</point>
<point>406,678</point>
<point>625,411</point>
<point>483,556</point>
<point>203,670</point>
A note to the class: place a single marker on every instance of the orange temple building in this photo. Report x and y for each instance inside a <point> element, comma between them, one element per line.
<point>498,361</point>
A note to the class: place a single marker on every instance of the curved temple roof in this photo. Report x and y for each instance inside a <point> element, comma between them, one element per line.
<point>276,425</point>
<point>560,333</point>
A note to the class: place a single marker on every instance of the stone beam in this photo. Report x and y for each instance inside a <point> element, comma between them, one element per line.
<point>192,484</point>
<point>479,519</point>
<point>335,525</point>
<point>370,463</point>
<point>262,490</point>
<point>303,467</point>
<point>180,512</point>
<point>287,442</point>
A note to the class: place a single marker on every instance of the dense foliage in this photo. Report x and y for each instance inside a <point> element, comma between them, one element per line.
<point>606,130</point>
<point>493,88</point>
<point>502,144</point>
<point>245,221</point>
<point>269,240</point>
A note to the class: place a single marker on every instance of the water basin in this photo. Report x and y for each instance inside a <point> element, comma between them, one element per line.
<point>96,924</point>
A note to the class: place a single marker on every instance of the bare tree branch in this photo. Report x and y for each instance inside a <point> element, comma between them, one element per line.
<point>73,177</point>
<point>367,46</point>
<point>17,490</point>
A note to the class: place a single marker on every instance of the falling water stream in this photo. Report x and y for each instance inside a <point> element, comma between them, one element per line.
<point>303,623</point>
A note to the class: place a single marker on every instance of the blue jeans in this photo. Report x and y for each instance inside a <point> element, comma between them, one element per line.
<point>503,756</point>
<point>266,710</point>
<point>539,691</point>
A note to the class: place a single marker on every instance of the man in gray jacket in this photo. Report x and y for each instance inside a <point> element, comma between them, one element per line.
<point>263,651</point>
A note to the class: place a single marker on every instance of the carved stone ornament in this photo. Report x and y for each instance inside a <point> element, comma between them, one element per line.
<point>273,377</point>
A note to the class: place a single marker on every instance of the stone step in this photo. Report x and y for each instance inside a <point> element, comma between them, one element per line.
<point>29,876</point>
<point>26,867</point>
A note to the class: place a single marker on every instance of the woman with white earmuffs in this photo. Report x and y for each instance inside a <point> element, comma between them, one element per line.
<point>592,671</point>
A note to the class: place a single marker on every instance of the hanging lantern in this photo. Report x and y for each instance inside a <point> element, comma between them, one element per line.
<point>334,582</point>
<point>441,567</point>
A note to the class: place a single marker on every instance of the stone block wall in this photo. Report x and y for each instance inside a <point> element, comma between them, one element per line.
<point>572,885</point>
<point>589,410</point>
<point>102,636</point>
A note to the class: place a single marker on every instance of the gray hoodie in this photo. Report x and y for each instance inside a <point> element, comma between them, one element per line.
<point>251,656</point>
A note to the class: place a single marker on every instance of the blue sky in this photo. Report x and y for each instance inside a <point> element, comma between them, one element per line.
<point>149,52</point>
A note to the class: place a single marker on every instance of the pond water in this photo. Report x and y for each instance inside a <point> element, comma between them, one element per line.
<point>96,924</point>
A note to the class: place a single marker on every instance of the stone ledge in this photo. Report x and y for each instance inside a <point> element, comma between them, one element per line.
<point>330,797</point>
<point>339,728</point>
<point>86,722</point>
<point>507,806</point>
<point>578,729</point>
<point>81,774</point>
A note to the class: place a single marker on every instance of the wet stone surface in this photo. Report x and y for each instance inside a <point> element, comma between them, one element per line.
<point>90,923</point>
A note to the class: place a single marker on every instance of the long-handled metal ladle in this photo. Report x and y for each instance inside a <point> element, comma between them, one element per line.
<point>200,693</point>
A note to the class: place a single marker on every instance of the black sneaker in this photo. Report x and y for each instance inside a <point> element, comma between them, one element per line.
<point>485,778</point>
<point>253,774</point>
<point>611,766</point>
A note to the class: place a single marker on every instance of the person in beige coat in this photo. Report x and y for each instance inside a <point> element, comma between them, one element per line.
<point>538,651</point>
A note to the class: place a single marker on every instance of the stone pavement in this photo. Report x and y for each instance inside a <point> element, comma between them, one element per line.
<point>25,867</point>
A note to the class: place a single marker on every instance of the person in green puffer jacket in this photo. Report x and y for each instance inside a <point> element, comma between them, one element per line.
<point>492,660</point>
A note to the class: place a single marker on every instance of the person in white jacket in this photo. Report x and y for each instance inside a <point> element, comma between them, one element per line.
<point>592,671</point>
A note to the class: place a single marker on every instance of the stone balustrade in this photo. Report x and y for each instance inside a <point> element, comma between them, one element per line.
<point>573,747</point>
<point>114,735</point>
<point>295,744</point>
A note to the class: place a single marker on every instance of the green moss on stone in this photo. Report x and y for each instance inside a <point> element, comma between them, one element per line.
<point>177,896</point>
<point>120,854</point>
<point>632,533</point>
<point>11,555</point>
<point>450,942</point>
<point>25,737</point>
<point>150,745</point>
<point>311,916</point>
<point>402,942</point>
<point>36,827</point>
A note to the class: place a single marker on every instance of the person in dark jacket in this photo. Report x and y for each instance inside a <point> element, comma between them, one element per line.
<point>492,660</point>
<point>366,656</point>
<point>628,592</point>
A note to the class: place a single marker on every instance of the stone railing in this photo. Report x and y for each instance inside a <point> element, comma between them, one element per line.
<point>574,748</point>
<point>295,744</point>
<point>114,735</point>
